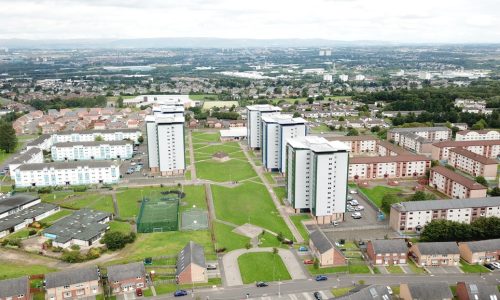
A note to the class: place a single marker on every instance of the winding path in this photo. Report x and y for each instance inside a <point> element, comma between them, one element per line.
<point>232,270</point>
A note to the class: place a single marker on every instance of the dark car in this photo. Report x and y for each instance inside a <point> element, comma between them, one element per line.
<point>180,293</point>
<point>490,266</point>
<point>321,278</point>
<point>261,284</point>
<point>138,292</point>
<point>317,296</point>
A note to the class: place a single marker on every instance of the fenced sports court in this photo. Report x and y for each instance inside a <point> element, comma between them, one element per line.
<point>159,212</point>
<point>194,219</point>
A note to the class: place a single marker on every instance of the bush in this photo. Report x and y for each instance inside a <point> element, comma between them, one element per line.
<point>80,188</point>
<point>32,232</point>
<point>57,249</point>
<point>12,242</point>
<point>75,247</point>
<point>73,256</point>
<point>115,240</point>
<point>45,190</point>
<point>93,253</point>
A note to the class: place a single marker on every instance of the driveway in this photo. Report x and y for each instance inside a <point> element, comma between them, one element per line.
<point>444,270</point>
<point>232,270</point>
<point>126,296</point>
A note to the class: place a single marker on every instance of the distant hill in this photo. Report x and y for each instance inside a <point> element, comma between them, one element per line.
<point>179,43</point>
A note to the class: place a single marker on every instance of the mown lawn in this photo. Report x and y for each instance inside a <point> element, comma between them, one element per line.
<point>12,270</point>
<point>263,266</point>
<point>328,270</point>
<point>227,239</point>
<point>170,288</point>
<point>297,220</point>
<point>376,194</point>
<point>124,227</point>
<point>232,170</point>
<point>394,269</point>
<point>248,203</point>
<point>338,292</point>
<point>205,137</point>
<point>280,193</point>
<point>467,268</point>
<point>164,243</point>
<point>58,215</point>
<point>91,201</point>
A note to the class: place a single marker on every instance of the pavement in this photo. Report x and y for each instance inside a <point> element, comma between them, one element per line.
<point>232,270</point>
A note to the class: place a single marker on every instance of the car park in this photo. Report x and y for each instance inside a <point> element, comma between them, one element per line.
<point>261,284</point>
<point>354,202</point>
<point>356,215</point>
<point>349,208</point>
<point>180,293</point>
<point>321,278</point>
<point>317,296</point>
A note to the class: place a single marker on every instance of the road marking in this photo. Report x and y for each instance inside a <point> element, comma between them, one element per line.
<point>323,295</point>
<point>293,297</point>
<point>307,296</point>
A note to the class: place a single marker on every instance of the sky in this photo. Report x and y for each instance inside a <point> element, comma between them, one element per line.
<point>441,21</point>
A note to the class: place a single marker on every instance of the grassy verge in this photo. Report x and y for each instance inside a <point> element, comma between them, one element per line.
<point>228,239</point>
<point>58,215</point>
<point>263,266</point>
<point>467,268</point>
<point>377,193</point>
<point>13,270</point>
<point>413,267</point>
<point>338,292</point>
<point>170,288</point>
<point>280,193</point>
<point>297,220</point>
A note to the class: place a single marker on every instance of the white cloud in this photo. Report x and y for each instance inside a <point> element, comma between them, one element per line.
<point>389,20</point>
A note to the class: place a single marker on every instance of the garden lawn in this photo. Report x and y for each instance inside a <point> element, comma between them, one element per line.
<point>414,268</point>
<point>376,194</point>
<point>164,243</point>
<point>12,270</point>
<point>297,220</point>
<point>328,270</point>
<point>467,268</point>
<point>262,266</point>
<point>248,203</point>
<point>227,239</point>
<point>395,269</point>
<point>358,269</point>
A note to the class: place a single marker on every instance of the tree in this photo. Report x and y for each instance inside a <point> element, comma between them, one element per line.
<point>352,132</point>
<point>115,240</point>
<point>8,139</point>
<point>275,250</point>
<point>495,192</point>
<point>296,114</point>
<point>481,180</point>
<point>387,201</point>
<point>119,102</point>
<point>375,128</point>
<point>341,119</point>
<point>140,139</point>
<point>421,196</point>
<point>98,138</point>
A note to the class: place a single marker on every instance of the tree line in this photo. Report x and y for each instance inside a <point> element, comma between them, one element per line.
<point>58,103</point>
<point>451,231</point>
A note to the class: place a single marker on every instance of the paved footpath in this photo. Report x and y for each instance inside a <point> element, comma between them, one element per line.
<point>232,270</point>
<point>191,156</point>
<point>281,208</point>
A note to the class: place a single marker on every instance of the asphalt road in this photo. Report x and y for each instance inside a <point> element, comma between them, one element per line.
<point>309,285</point>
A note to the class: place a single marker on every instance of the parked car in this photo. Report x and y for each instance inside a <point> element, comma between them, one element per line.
<point>496,264</point>
<point>180,293</point>
<point>349,208</point>
<point>356,215</point>
<point>490,266</point>
<point>359,208</point>
<point>138,292</point>
<point>349,197</point>
<point>353,191</point>
<point>321,278</point>
<point>261,284</point>
<point>354,203</point>
<point>389,290</point>
<point>308,262</point>
<point>211,267</point>
<point>303,249</point>
<point>317,296</point>
<point>335,223</point>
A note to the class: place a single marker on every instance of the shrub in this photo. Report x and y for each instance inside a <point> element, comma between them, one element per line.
<point>75,247</point>
<point>80,188</point>
<point>32,232</point>
<point>93,253</point>
<point>115,240</point>
<point>73,256</point>
<point>45,190</point>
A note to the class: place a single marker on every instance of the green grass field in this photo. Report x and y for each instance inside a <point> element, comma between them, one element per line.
<point>92,201</point>
<point>280,193</point>
<point>227,239</point>
<point>124,227</point>
<point>376,194</point>
<point>467,268</point>
<point>212,104</point>
<point>232,170</point>
<point>170,288</point>
<point>58,215</point>
<point>12,270</point>
<point>321,128</point>
<point>164,243</point>
<point>327,270</point>
<point>203,97</point>
<point>264,266</point>
<point>248,203</point>
<point>205,137</point>
<point>302,229</point>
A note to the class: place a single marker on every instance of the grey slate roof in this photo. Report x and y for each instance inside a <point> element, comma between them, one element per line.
<point>67,165</point>
<point>486,245</point>
<point>92,143</point>
<point>99,131</point>
<point>29,213</point>
<point>128,271</point>
<point>320,241</point>
<point>482,291</point>
<point>389,246</point>
<point>15,201</point>
<point>372,292</point>
<point>438,248</point>
<point>70,277</point>
<point>14,287</point>
<point>447,204</point>
<point>418,129</point>
<point>39,140</point>
<point>430,291</point>
<point>192,253</point>
<point>83,224</point>
<point>26,156</point>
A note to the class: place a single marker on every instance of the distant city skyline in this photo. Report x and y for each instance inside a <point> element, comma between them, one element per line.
<point>426,21</point>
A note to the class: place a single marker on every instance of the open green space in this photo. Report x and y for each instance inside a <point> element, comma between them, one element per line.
<point>280,193</point>
<point>269,177</point>
<point>21,234</point>
<point>205,137</point>
<point>468,268</point>
<point>124,227</point>
<point>232,170</point>
<point>212,104</point>
<point>203,97</point>
<point>297,220</point>
<point>320,128</point>
<point>395,269</point>
<point>164,243</point>
<point>21,140</point>
<point>91,201</point>
<point>12,270</point>
<point>227,239</point>
<point>248,203</point>
<point>376,194</point>
<point>262,266</point>
<point>58,215</point>
<point>206,152</point>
